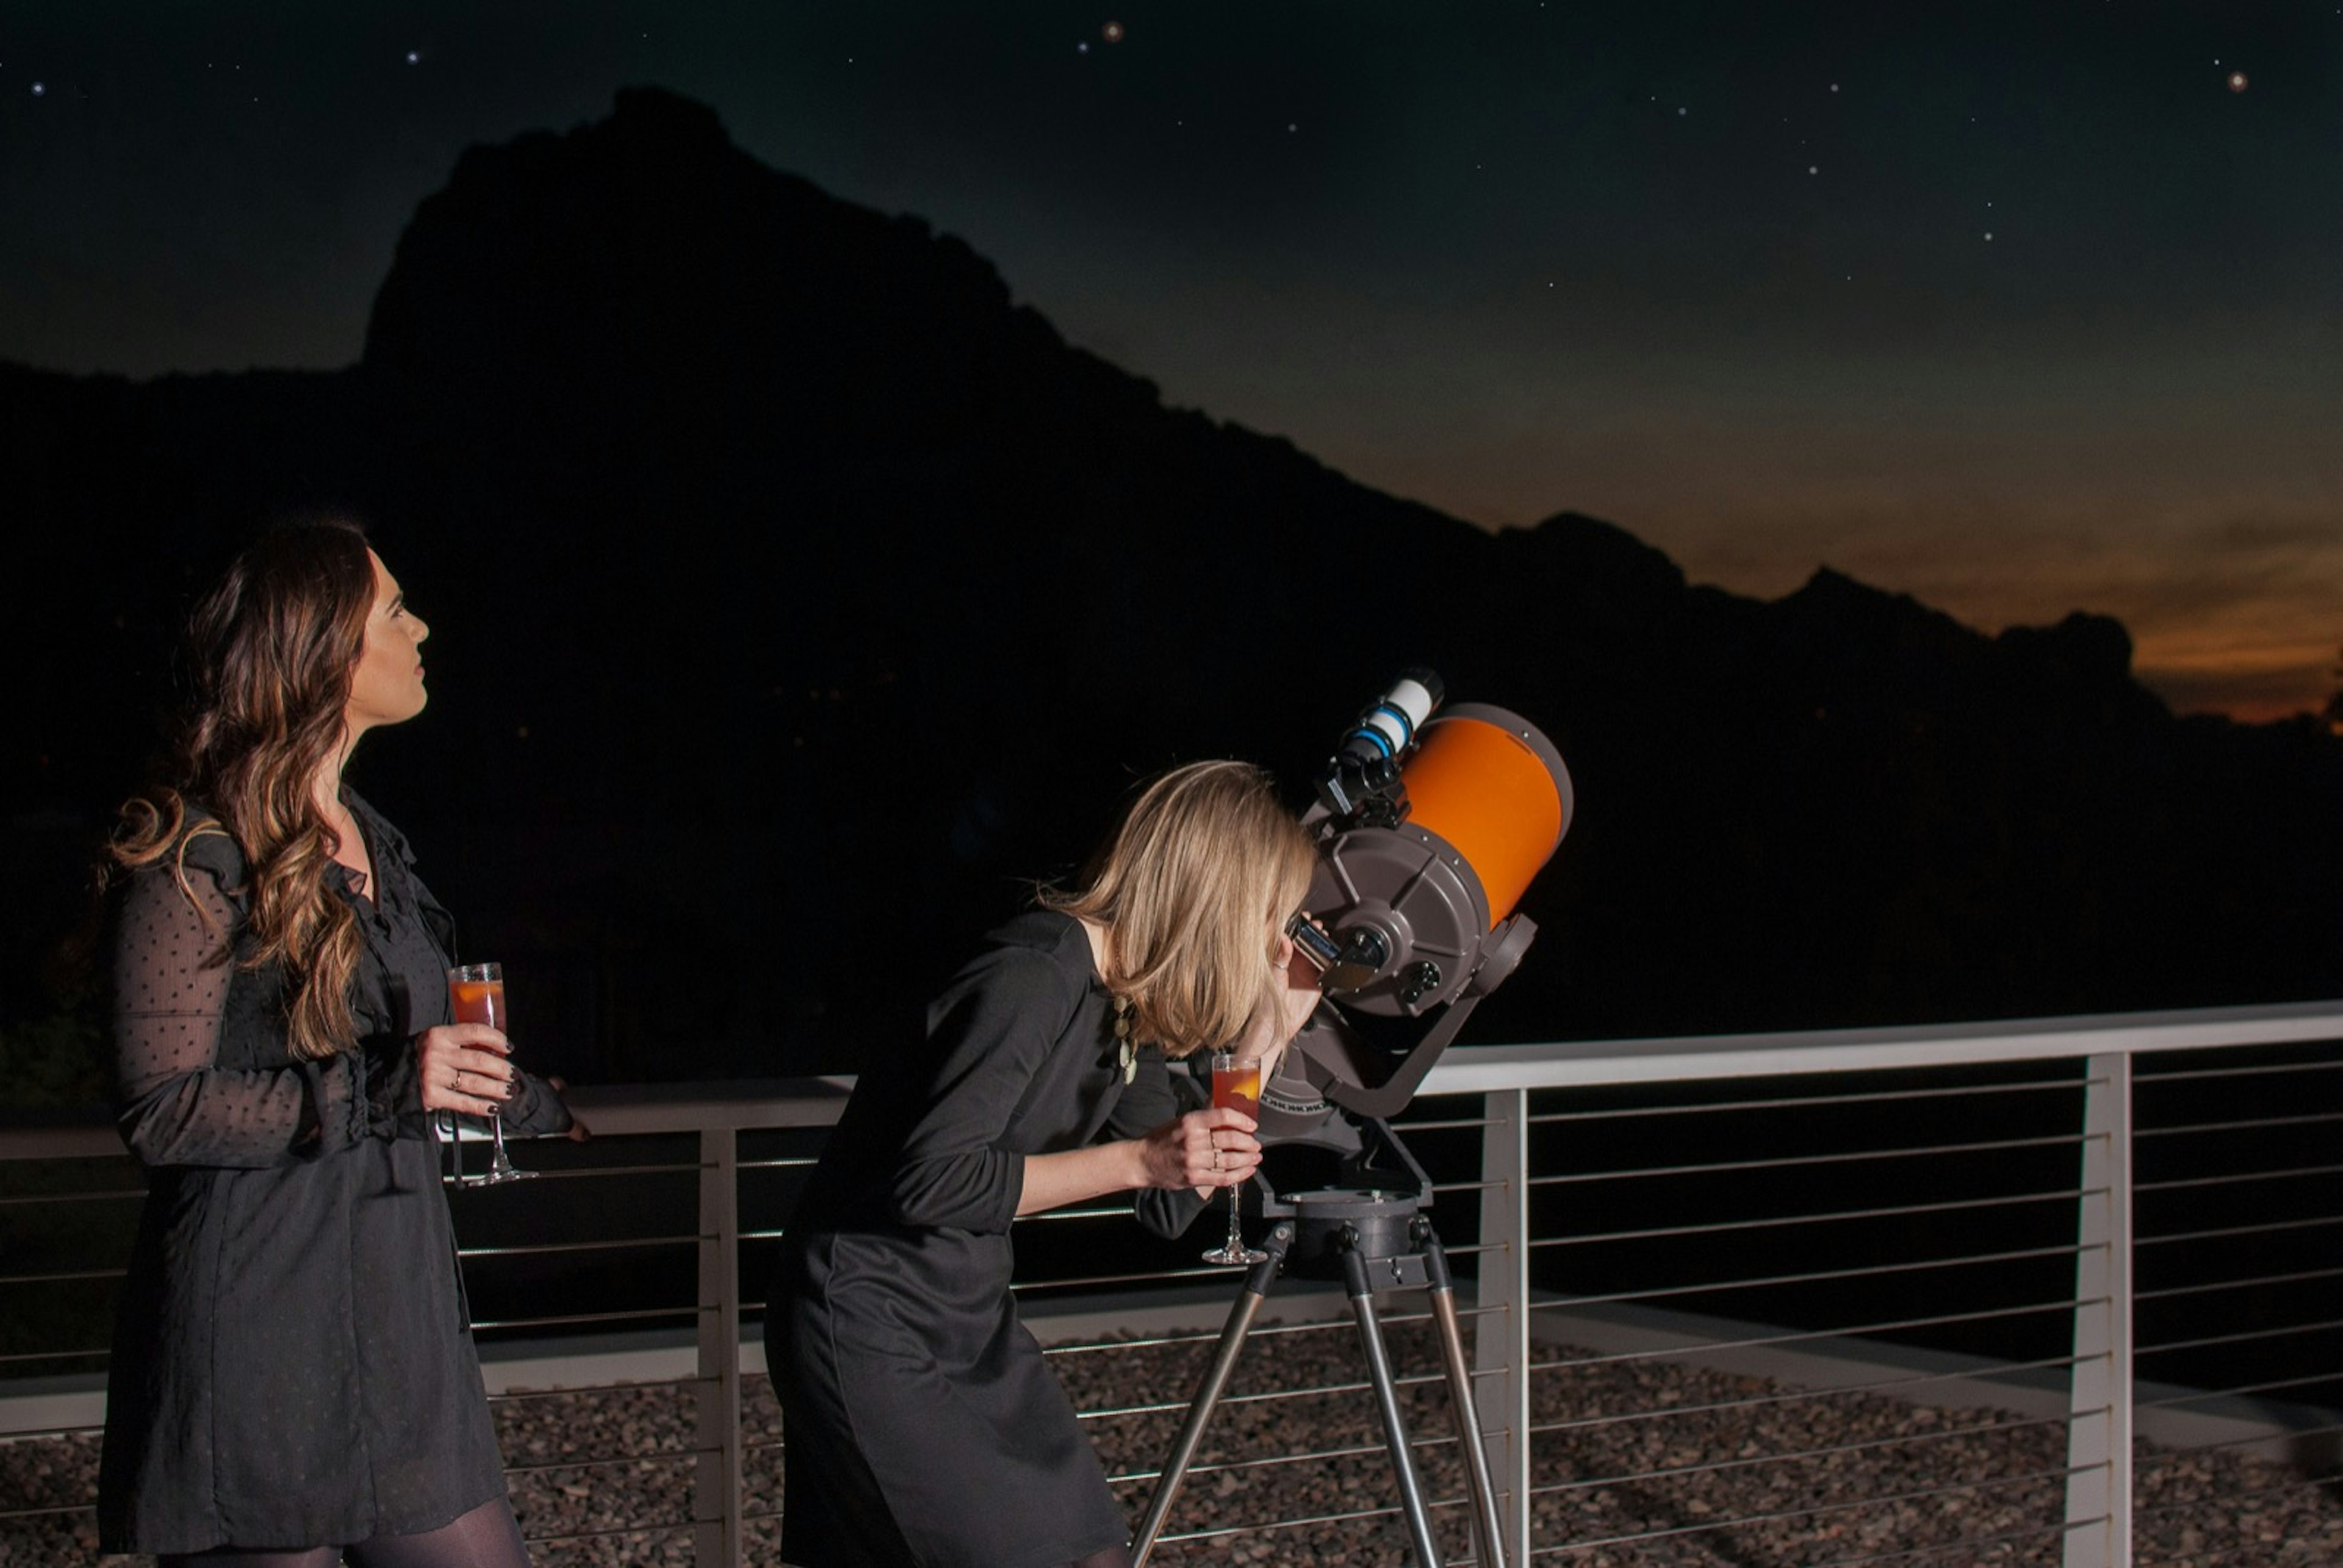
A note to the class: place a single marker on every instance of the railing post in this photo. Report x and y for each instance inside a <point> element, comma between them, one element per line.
<point>1501,1332</point>
<point>2099,1403</point>
<point>716,1490</point>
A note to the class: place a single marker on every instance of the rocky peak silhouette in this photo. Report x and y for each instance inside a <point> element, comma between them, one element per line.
<point>796,591</point>
<point>642,279</point>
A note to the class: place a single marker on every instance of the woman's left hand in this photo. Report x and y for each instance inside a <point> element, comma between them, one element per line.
<point>1208,1148</point>
<point>462,1067</point>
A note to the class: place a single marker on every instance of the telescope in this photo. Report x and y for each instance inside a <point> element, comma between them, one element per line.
<point>1430,823</point>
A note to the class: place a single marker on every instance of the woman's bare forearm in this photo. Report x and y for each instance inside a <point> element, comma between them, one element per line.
<point>1053,1180</point>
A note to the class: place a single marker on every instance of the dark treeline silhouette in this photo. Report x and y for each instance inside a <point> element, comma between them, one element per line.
<point>795,592</point>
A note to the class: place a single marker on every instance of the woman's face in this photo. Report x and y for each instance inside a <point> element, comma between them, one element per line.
<point>387,686</point>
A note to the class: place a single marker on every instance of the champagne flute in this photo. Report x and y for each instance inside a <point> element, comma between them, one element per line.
<point>477,992</point>
<point>1236,1086</point>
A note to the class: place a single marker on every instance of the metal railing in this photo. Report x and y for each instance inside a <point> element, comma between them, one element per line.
<point>1833,1297</point>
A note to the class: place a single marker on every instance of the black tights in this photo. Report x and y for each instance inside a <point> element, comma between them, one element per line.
<point>487,1537</point>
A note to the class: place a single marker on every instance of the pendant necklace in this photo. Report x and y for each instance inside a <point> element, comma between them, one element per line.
<point>1126,1053</point>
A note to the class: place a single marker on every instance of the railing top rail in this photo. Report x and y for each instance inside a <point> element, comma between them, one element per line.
<point>635,1108</point>
<point>608,1109</point>
<point>1572,1063</point>
<point>670,1107</point>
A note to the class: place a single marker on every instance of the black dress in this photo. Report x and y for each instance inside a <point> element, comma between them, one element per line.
<point>293,1364</point>
<point>922,1426</point>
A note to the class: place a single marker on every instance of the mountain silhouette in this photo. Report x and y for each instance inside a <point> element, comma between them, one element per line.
<point>795,593</point>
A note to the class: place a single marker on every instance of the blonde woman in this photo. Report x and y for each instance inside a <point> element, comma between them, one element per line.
<point>292,1380</point>
<point>922,1426</point>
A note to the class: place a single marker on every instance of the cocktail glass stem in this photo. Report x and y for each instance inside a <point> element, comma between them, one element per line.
<point>500,1168</point>
<point>1234,1251</point>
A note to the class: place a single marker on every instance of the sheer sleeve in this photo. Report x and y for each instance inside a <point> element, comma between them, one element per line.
<point>173,966</point>
<point>534,1109</point>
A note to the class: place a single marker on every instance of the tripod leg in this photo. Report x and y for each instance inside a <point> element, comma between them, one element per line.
<point>1208,1390</point>
<point>1461,1402</point>
<point>1370,1339</point>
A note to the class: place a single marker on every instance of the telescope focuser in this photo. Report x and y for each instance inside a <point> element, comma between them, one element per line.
<point>1361,783</point>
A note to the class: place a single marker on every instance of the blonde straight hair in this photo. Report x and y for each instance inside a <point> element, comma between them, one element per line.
<point>1193,890</point>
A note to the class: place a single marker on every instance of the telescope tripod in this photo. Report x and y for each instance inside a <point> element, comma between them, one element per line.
<point>1359,1237</point>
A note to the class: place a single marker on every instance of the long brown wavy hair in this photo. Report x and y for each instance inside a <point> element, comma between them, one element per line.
<point>1192,888</point>
<point>270,655</point>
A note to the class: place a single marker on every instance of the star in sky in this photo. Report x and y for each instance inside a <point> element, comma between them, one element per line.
<point>1679,226</point>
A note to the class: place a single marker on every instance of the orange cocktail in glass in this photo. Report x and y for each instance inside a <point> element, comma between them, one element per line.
<point>1236,1086</point>
<point>476,994</point>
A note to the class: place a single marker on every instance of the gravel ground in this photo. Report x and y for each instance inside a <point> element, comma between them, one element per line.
<point>1802,1480</point>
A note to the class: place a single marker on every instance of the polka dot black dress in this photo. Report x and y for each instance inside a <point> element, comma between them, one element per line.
<point>293,1363</point>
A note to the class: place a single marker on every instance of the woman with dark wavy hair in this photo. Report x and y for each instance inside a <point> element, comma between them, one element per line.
<point>293,1381</point>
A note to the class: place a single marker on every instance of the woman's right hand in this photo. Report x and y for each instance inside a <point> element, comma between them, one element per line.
<point>1207,1149</point>
<point>461,1067</point>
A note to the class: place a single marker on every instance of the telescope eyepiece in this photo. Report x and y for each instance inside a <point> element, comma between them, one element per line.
<point>1321,950</point>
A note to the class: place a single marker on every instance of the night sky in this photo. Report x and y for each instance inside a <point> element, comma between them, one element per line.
<point>2019,308</point>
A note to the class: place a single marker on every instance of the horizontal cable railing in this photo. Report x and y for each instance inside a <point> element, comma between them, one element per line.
<point>2237,1199</point>
<point>1868,1296</point>
<point>1748,1273</point>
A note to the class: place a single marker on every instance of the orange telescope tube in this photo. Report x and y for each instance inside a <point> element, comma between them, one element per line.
<point>1494,788</point>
